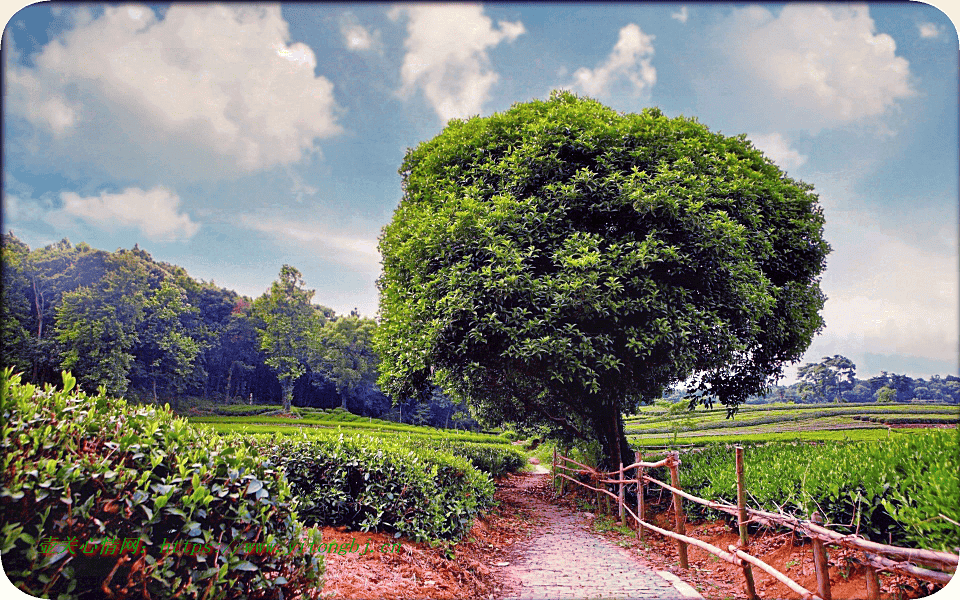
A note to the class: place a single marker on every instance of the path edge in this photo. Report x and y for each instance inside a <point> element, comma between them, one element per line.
<point>682,586</point>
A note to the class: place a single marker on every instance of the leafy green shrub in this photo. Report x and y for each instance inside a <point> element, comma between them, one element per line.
<point>374,483</point>
<point>895,489</point>
<point>95,470</point>
<point>495,460</point>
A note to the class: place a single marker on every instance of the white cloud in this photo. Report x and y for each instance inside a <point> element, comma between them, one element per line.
<point>929,30</point>
<point>777,148</point>
<point>155,212</point>
<point>887,296</point>
<point>356,36</point>
<point>629,59</point>
<point>447,55</point>
<point>208,91</point>
<point>811,67</point>
<point>355,251</point>
<point>682,15</point>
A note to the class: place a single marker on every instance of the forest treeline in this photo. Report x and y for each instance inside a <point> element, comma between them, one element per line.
<point>834,379</point>
<point>146,330</point>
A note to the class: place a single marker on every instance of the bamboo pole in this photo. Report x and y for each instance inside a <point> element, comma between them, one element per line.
<point>908,569</point>
<point>640,500</point>
<point>620,493</point>
<point>678,509</point>
<point>742,524</point>
<point>553,470</point>
<point>820,563</point>
<point>804,593</point>
<point>857,542</point>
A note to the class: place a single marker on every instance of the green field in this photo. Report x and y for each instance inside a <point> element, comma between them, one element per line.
<point>658,426</point>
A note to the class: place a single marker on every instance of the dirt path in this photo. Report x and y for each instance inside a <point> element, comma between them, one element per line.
<point>566,560</point>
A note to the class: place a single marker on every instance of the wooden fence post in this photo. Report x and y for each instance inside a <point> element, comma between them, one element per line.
<point>553,471</point>
<point>640,499</point>
<point>620,498</point>
<point>820,563</point>
<point>563,482</point>
<point>873,584</point>
<point>678,509</point>
<point>742,523</point>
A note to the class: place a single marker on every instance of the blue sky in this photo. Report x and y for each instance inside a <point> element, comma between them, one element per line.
<point>234,139</point>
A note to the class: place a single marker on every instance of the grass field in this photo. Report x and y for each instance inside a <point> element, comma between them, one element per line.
<point>658,426</point>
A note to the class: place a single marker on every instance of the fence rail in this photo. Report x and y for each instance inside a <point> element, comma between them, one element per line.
<point>879,557</point>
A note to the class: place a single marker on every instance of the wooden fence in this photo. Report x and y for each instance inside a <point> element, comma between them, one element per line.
<point>929,565</point>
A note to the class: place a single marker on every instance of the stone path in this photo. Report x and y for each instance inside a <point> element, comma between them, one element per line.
<point>568,561</point>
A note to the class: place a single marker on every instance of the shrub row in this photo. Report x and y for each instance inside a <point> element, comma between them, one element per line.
<point>92,472</point>
<point>379,484</point>
<point>497,460</point>
<point>896,489</point>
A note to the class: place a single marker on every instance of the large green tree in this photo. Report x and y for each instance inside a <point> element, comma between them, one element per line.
<point>558,263</point>
<point>285,321</point>
<point>165,351</point>
<point>97,324</point>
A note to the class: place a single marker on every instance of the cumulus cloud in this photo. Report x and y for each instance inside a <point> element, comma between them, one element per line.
<point>682,15</point>
<point>630,60</point>
<point>208,91</point>
<point>777,148</point>
<point>813,66</point>
<point>929,30</point>
<point>155,212</point>
<point>447,56</point>
<point>356,36</point>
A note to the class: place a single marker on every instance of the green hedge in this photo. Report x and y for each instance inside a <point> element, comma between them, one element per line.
<point>496,460</point>
<point>896,488</point>
<point>380,484</point>
<point>96,470</point>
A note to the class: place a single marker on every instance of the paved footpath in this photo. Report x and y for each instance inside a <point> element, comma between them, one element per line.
<point>568,561</point>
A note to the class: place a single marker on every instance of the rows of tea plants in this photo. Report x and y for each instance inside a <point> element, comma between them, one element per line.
<point>698,420</point>
<point>897,490</point>
<point>379,484</point>
<point>417,434</point>
<point>82,474</point>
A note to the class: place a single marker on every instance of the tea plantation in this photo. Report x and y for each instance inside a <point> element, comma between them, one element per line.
<point>101,497</point>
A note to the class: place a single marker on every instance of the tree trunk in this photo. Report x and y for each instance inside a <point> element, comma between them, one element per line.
<point>287,395</point>
<point>154,390</point>
<point>230,379</point>
<point>612,439</point>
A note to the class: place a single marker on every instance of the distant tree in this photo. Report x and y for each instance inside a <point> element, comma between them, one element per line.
<point>843,371</point>
<point>814,377</point>
<point>97,325</point>
<point>165,351</point>
<point>860,393</point>
<point>284,319</point>
<point>17,348</point>
<point>886,395</point>
<point>343,352</point>
<point>559,263</point>
<point>830,372</point>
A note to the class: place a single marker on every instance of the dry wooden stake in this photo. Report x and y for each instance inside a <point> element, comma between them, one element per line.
<point>820,563</point>
<point>678,509</point>
<point>742,523</point>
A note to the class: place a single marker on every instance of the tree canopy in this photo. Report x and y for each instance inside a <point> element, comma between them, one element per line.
<point>560,262</point>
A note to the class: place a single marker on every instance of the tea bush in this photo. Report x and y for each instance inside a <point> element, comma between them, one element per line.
<point>90,471</point>
<point>380,484</point>
<point>888,490</point>
<point>496,460</point>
